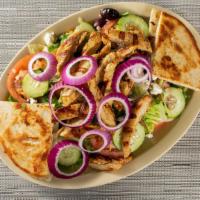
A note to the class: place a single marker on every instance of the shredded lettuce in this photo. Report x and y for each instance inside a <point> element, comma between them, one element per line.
<point>11,99</point>
<point>154,115</point>
<point>45,99</point>
<point>64,36</point>
<point>53,47</point>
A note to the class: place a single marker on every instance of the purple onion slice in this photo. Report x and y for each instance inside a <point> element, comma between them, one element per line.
<point>87,96</point>
<point>79,78</point>
<point>55,153</point>
<point>49,70</point>
<point>119,97</point>
<point>105,136</point>
<point>132,67</point>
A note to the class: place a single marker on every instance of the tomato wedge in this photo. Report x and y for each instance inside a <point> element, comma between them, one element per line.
<point>22,64</point>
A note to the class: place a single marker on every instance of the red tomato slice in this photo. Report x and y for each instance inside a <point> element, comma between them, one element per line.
<point>22,64</point>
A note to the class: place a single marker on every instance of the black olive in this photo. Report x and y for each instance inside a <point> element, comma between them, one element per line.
<point>109,13</point>
<point>98,23</point>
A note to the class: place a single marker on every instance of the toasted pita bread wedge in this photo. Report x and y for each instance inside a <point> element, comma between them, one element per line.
<point>26,136</point>
<point>153,22</point>
<point>177,56</point>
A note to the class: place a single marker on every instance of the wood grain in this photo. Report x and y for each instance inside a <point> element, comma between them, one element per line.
<point>175,176</point>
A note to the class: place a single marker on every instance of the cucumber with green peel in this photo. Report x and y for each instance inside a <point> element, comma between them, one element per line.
<point>117,139</point>
<point>133,20</point>
<point>136,141</point>
<point>174,101</point>
<point>69,156</point>
<point>138,138</point>
<point>84,26</point>
<point>33,88</point>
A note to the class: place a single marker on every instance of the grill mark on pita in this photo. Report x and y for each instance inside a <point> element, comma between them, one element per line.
<point>178,48</point>
<point>169,25</point>
<point>169,66</point>
<point>186,29</point>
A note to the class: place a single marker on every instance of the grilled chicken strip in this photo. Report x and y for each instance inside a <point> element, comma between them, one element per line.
<point>93,44</point>
<point>107,116</point>
<point>95,41</point>
<point>129,129</point>
<point>67,49</point>
<point>69,112</point>
<point>126,86</point>
<point>108,164</point>
<point>105,49</point>
<point>68,96</point>
<point>111,61</point>
<point>124,39</point>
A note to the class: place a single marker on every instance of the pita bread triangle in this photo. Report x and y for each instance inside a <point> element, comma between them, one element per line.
<point>176,55</point>
<point>26,135</point>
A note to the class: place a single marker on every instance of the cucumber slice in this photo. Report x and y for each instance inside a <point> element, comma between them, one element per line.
<point>136,141</point>
<point>133,20</point>
<point>84,26</point>
<point>138,138</point>
<point>174,101</point>
<point>117,139</point>
<point>33,88</point>
<point>69,156</point>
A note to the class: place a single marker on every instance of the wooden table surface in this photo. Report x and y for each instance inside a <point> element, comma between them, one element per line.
<point>175,176</point>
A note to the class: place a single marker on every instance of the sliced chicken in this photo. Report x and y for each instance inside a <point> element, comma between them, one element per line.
<point>126,86</point>
<point>112,152</point>
<point>107,116</point>
<point>124,39</point>
<point>108,75</point>
<point>111,61</point>
<point>109,25</point>
<point>70,112</point>
<point>139,110</point>
<point>108,164</point>
<point>68,96</point>
<point>64,131</point>
<point>69,133</point>
<point>105,49</point>
<point>94,89</point>
<point>67,49</point>
<point>93,44</point>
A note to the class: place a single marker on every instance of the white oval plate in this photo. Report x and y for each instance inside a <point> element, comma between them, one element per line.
<point>162,144</point>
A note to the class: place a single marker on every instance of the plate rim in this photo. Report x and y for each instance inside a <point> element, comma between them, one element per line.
<point>115,178</point>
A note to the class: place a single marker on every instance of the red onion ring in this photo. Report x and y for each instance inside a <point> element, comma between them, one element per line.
<point>136,75</point>
<point>85,93</point>
<point>143,58</point>
<point>104,135</point>
<point>54,155</point>
<point>50,69</point>
<point>127,67</point>
<point>117,97</point>
<point>79,80</point>
<point>133,74</point>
